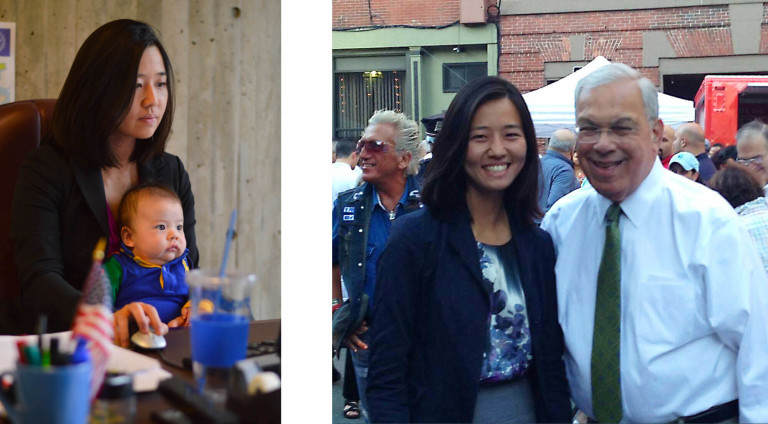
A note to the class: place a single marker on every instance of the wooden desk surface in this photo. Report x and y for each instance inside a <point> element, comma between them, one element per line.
<point>178,349</point>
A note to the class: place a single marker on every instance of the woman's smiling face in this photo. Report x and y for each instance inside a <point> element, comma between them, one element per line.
<point>496,148</point>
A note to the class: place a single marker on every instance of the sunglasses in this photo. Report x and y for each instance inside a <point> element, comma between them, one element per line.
<point>373,146</point>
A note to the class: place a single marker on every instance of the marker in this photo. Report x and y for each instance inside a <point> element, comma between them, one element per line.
<point>20,345</point>
<point>81,352</point>
<point>54,352</point>
<point>32,355</point>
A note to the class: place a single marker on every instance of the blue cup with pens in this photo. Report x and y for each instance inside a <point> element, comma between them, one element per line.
<point>54,392</point>
<point>219,319</point>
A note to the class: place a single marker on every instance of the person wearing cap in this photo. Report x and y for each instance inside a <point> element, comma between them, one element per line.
<point>661,293</point>
<point>685,164</point>
<point>427,143</point>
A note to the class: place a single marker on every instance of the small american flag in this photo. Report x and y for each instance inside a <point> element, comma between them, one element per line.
<point>93,320</point>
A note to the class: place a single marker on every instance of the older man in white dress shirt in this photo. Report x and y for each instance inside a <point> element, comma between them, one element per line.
<point>693,310</point>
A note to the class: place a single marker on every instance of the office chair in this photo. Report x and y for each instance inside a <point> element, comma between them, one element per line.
<point>22,126</point>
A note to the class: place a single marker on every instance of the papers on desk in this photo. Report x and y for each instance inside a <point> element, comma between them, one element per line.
<point>146,371</point>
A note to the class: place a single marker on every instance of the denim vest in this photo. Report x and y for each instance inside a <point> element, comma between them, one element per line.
<point>354,208</point>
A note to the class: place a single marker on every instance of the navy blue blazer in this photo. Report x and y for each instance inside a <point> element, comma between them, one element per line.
<point>430,323</point>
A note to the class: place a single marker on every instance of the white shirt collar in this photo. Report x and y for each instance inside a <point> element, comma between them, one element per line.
<point>635,206</point>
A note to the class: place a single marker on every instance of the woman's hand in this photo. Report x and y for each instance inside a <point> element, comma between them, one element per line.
<point>353,342</point>
<point>144,314</point>
<point>181,321</point>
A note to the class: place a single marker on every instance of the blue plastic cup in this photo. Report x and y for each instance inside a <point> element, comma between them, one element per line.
<point>55,394</point>
<point>219,318</point>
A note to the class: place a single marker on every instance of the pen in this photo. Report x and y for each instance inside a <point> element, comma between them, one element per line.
<point>228,242</point>
<point>42,345</point>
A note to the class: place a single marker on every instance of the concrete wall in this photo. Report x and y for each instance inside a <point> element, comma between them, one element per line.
<point>226,58</point>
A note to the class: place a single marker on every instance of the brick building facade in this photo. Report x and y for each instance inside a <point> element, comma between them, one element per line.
<point>674,44</point>
<point>430,13</point>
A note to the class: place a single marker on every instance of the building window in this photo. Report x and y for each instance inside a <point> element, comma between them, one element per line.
<point>359,94</point>
<point>457,75</point>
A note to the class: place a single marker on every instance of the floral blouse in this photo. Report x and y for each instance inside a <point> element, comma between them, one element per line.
<point>509,352</point>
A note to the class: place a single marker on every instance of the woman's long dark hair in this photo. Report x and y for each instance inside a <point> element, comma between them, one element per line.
<point>445,184</point>
<point>99,91</point>
<point>737,184</point>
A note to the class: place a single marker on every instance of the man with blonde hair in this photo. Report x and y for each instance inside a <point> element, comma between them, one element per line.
<point>389,152</point>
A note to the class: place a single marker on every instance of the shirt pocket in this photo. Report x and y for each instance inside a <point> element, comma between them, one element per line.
<point>668,311</point>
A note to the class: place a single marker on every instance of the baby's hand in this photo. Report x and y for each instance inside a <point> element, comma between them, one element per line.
<point>181,321</point>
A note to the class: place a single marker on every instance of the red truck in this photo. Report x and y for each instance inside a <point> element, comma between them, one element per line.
<point>725,103</point>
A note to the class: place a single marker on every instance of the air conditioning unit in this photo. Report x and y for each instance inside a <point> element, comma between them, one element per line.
<point>472,11</point>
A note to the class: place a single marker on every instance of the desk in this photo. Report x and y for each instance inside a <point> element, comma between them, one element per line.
<point>177,349</point>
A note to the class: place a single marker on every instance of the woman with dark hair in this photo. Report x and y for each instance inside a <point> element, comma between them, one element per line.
<point>741,187</point>
<point>726,156</point>
<point>464,323</point>
<point>108,133</point>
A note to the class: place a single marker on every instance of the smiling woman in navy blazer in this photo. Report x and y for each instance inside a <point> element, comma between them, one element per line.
<point>464,325</point>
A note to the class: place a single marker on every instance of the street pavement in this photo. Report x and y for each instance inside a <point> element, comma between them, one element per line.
<point>338,397</point>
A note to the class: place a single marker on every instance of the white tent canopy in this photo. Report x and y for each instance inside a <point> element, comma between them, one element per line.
<point>552,106</point>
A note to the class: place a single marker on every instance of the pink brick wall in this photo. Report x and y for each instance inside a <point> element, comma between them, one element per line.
<point>529,41</point>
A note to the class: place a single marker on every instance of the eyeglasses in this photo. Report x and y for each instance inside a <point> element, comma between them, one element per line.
<point>757,160</point>
<point>590,134</point>
<point>373,146</point>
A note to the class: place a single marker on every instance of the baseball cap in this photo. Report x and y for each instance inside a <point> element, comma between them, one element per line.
<point>687,160</point>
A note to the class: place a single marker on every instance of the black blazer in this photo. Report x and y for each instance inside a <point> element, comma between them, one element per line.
<point>430,322</point>
<point>59,212</point>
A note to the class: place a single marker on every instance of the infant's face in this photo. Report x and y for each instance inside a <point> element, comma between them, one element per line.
<point>157,231</point>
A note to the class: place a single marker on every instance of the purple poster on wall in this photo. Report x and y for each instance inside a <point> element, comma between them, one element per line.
<point>7,62</point>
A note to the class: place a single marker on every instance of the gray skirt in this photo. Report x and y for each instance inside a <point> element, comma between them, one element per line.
<point>505,403</point>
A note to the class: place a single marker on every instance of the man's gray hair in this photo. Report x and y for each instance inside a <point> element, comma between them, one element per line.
<point>563,140</point>
<point>407,138</point>
<point>614,72</point>
<point>753,128</point>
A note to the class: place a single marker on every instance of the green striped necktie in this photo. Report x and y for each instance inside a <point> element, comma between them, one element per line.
<point>606,380</point>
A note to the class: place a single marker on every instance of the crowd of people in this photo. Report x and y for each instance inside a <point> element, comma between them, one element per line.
<point>498,286</point>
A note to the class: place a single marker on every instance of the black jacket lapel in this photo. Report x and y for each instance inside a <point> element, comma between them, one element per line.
<point>523,242</point>
<point>92,187</point>
<point>461,240</point>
